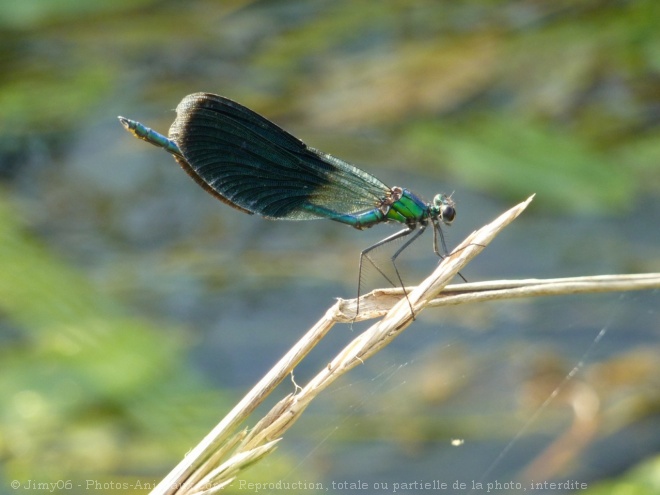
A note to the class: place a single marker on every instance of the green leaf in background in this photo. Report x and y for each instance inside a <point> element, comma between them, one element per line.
<point>643,479</point>
<point>516,158</point>
<point>86,386</point>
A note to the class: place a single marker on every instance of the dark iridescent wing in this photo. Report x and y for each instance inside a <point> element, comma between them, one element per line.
<point>254,165</point>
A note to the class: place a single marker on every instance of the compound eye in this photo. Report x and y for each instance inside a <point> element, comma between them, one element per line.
<point>448,213</point>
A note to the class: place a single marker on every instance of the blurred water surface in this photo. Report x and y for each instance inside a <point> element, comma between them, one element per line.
<point>136,309</point>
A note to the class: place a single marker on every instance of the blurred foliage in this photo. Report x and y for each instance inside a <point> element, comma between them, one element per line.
<point>561,98</point>
<point>87,388</point>
<point>542,157</point>
<point>641,480</point>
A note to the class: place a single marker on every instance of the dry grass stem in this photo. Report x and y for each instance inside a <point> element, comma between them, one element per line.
<point>186,474</point>
<point>219,457</point>
<point>379,302</point>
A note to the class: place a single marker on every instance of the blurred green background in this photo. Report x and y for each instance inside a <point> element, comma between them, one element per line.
<point>135,310</point>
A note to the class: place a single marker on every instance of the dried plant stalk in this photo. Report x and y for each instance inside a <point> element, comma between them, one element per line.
<point>218,458</point>
<point>379,302</point>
